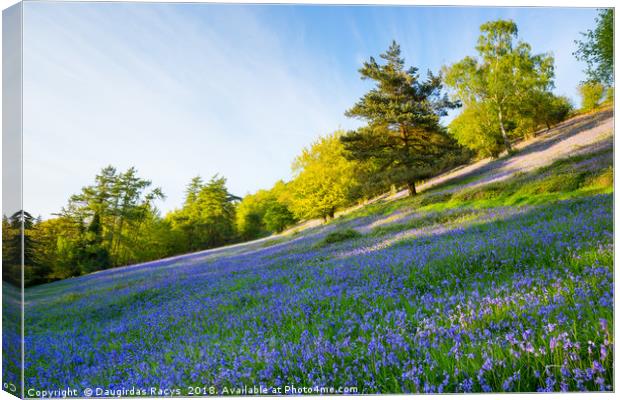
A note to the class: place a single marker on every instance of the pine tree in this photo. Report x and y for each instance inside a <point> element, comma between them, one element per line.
<point>207,218</point>
<point>403,134</point>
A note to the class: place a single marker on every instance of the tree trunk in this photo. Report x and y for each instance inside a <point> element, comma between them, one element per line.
<point>411,187</point>
<point>504,135</point>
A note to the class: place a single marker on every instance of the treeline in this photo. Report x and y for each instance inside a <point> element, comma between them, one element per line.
<point>505,94</point>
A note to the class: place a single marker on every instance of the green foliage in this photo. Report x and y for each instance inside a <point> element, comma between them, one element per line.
<point>107,224</point>
<point>250,225</point>
<point>250,213</point>
<point>477,128</point>
<point>339,236</point>
<point>575,176</point>
<point>207,218</point>
<point>591,95</point>
<point>58,245</point>
<point>609,96</point>
<point>265,211</point>
<point>544,109</point>
<point>403,139</point>
<point>278,217</point>
<point>11,251</point>
<point>558,109</point>
<point>19,247</point>
<point>325,180</point>
<point>505,91</point>
<point>597,48</point>
<point>114,222</point>
<point>109,219</point>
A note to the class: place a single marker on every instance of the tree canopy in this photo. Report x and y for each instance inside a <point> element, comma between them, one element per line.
<point>499,89</point>
<point>265,212</point>
<point>402,135</point>
<point>597,48</point>
<point>324,179</point>
<point>207,218</point>
<point>591,95</point>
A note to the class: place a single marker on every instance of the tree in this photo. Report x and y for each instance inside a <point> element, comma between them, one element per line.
<point>250,212</point>
<point>58,242</point>
<point>476,128</point>
<point>541,109</point>
<point>193,190</point>
<point>597,49</point>
<point>609,96</point>
<point>207,218</point>
<point>324,179</point>
<point>278,217</point>
<point>403,137</point>
<point>551,109</point>
<point>109,217</point>
<point>503,81</point>
<point>19,248</point>
<point>591,95</point>
<point>11,251</point>
<point>264,212</point>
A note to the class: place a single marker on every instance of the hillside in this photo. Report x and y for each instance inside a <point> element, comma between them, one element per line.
<point>578,135</point>
<point>498,276</point>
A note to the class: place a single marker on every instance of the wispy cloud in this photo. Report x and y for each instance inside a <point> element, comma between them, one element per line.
<point>168,92</point>
<point>183,89</point>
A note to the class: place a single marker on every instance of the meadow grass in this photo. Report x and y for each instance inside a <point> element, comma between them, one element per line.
<point>505,287</point>
<point>339,236</point>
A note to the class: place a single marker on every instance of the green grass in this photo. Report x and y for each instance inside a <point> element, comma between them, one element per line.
<point>562,180</point>
<point>339,236</point>
<point>429,219</point>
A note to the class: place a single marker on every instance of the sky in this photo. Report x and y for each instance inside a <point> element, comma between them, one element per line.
<point>179,90</point>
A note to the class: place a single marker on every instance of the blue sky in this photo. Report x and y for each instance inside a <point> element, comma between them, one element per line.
<point>178,90</point>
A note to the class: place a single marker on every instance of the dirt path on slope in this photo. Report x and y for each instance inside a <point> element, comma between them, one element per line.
<point>579,135</point>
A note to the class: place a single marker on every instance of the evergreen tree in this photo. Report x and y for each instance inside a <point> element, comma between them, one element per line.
<point>109,218</point>
<point>193,189</point>
<point>403,136</point>
<point>207,218</point>
<point>11,251</point>
<point>20,248</point>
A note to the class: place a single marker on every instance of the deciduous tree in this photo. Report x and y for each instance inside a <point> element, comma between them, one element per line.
<point>597,48</point>
<point>591,93</point>
<point>324,179</point>
<point>503,80</point>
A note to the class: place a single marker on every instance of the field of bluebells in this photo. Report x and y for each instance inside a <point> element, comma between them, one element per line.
<point>462,299</point>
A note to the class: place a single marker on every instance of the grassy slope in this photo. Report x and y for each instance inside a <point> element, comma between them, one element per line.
<point>501,287</point>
